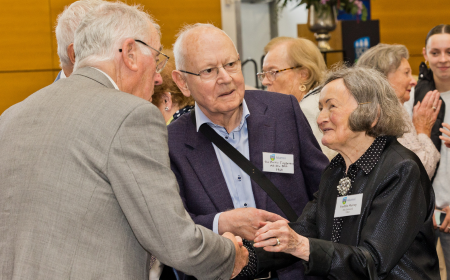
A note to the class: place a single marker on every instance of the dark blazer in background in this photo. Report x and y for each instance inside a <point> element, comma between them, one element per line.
<point>276,125</point>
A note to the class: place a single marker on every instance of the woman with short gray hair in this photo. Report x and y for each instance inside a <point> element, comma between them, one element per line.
<point>392,61</point>
<point>372,215</point>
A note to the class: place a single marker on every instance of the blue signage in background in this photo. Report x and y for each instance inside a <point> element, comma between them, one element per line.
<point>344,16</point>
<point>361,45</point>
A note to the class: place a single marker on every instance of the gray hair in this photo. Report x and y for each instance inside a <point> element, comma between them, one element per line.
<point>179,50</point>
<point>103,30</point>
<point>384,58</point>
<point>67,23</point>
<point>376,98</point>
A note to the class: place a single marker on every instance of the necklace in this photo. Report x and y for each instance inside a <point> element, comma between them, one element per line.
<point>344,186</point>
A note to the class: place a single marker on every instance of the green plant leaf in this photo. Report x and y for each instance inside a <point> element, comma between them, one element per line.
<point>364,14</point>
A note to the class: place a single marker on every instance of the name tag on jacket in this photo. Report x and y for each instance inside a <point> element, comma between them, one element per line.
<point>349,205</point>
<point>279,163</point>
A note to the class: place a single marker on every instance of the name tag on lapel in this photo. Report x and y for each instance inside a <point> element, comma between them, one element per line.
<point>349,205</point>
<point>279,163</point>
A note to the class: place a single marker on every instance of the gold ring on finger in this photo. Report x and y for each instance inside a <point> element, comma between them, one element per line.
<point>278,242</point>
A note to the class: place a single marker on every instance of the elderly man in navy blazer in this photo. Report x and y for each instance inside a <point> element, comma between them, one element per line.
<point>215,191</point>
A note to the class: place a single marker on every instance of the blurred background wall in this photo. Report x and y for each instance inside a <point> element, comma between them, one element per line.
<point>28,45</point>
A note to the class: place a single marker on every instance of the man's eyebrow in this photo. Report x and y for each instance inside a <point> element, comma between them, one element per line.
<point>161,48</point>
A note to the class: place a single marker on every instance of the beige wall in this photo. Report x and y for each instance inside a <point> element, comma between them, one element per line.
<point>28,45</point>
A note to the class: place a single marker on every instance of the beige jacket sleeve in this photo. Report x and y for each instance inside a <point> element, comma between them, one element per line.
<point>147,191</point>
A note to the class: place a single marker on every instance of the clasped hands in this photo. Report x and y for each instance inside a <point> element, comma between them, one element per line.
<point>265,228</point>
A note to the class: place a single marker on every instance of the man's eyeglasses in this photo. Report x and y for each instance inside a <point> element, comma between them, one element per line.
<point>271,75</point>
<point>212,73</point>
<point>160,63</point>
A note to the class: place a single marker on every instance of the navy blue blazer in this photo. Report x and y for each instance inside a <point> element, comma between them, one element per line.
<point>277,125</point>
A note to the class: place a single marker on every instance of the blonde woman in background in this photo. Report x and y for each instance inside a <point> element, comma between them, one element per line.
<point>295,66</point>
<point>168,97</point>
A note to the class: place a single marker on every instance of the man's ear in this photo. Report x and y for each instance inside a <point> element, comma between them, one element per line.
<point>178,78</point>
<point>130,54</point>
<point>71,53</point>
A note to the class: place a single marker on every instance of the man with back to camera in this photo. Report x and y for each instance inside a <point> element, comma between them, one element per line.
<point>86,187</point>
<point>209,69</point>
<point>68,22</point>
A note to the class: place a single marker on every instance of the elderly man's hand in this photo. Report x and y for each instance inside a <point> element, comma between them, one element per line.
<point>245,221</point>
<point>425,112</point>
<point>241,258</point>
<point>280,237</point>
<point>445,134</point>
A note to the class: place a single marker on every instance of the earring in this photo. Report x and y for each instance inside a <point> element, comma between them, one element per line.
<point>302,87</point>
<point>167,108</point>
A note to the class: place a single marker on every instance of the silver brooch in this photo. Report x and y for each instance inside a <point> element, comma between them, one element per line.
<point>344,185</point>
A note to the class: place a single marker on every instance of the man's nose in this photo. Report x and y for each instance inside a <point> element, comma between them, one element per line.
<point>223,75</point>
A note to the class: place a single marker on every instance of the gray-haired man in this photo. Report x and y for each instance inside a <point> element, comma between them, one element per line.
<point>86,187</point>
<point>68,22</point>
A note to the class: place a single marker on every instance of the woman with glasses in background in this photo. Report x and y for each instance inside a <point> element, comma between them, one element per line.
<point>295,66</point>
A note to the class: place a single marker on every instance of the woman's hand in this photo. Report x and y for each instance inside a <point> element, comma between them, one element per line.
<point>279,237</point>
<point>445,132</point>
<point>425,112</point>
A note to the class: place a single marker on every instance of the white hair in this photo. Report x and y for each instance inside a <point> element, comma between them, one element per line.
<point>178,46</point>
<point>67,23</point>
<point>102,32</point>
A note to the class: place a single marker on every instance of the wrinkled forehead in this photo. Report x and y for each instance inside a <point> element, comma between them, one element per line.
<point>207,46</point>
<point>335,90</point>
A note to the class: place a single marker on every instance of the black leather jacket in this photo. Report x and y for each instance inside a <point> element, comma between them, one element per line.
<point>395,224</point>
<point>424,85</point>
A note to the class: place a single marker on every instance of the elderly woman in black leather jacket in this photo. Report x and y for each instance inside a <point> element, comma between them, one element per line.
<point>372,215</point>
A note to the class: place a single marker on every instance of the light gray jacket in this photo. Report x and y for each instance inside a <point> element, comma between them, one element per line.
<point>86,189</point>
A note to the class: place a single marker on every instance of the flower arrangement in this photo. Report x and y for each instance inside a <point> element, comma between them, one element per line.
<point>354,7</point>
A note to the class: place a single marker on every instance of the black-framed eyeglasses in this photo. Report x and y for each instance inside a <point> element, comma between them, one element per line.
<point>160,63</point>
<point>212,73</point>
<point>271,75</point>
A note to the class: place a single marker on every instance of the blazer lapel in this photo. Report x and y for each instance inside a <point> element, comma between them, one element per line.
<point>261,138</point>
<point>203,160</point>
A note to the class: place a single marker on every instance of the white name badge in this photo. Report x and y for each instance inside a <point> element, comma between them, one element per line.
<point>280,163</point>
<point>349,205</point>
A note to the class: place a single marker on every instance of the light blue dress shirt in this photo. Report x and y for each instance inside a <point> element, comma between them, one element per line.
<point>238,182</point>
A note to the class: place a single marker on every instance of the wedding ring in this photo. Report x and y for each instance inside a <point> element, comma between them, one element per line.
<point>278,242</point>
<point>434,108</point>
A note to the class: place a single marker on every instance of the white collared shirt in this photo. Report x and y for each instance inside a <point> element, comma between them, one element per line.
<point>111,80</point>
